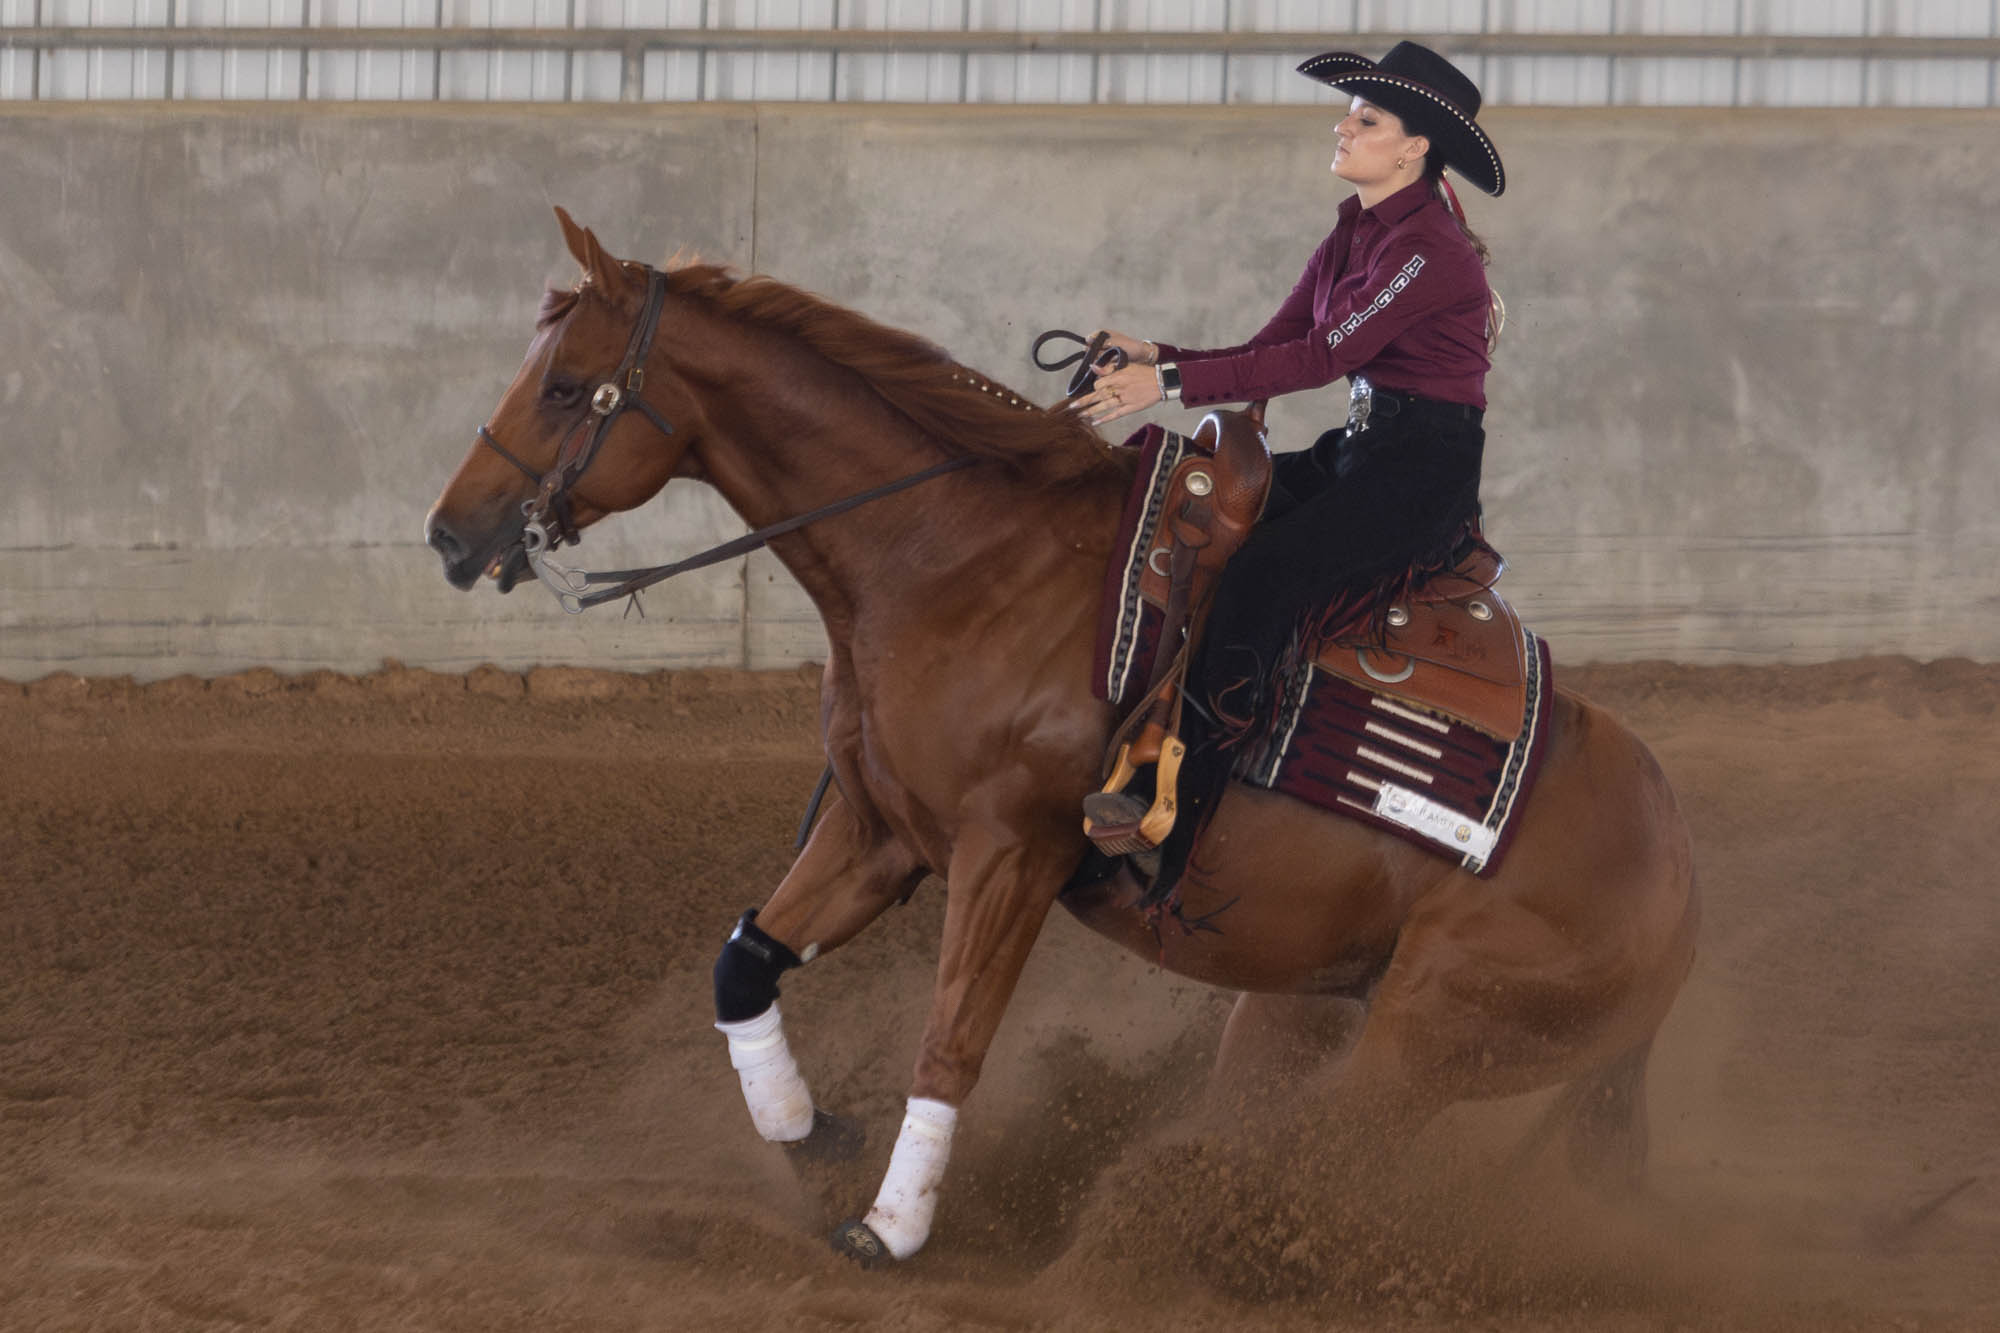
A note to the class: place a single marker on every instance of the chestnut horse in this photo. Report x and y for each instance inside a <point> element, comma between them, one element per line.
<point>961,732</point>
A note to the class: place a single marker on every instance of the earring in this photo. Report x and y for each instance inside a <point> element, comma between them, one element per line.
<point>1399,164</point>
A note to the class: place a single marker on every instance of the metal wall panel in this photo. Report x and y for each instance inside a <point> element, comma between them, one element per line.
<point>599,76</point>
<point>17,76</point>
<point>1828,18</point>
<point>900,78</point>
<point>108,74</point>
<point>785,76</point>
<point>225,75</point>
<point>506,76</point>
<point>1435,16</point>
<point>1802,83</point>
<point>1565,15</point>
<point>1167,79</point>
<point>19,69</point>
<point>1675,83</point>
<point>671,76</point>
<point>373,75</point>
<point>1932,83</point>
<point>1030,77</point>
<point>1680,16</point>
<point>1266,80</point>
<point>1329,16</point>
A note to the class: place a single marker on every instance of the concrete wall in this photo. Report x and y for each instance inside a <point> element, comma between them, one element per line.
<point>1745,410</point>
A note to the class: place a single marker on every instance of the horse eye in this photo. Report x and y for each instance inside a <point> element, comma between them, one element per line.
<point>563,392</point>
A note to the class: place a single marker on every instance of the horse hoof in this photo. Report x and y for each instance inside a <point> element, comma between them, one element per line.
<point>833,1139</point>
<point>858,1241</point>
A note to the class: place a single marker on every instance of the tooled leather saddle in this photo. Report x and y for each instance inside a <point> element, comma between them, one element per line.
<point>1454,647</point>
<point>1427,720</point>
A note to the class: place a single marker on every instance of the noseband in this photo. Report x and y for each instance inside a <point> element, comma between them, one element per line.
<point>549,519</point>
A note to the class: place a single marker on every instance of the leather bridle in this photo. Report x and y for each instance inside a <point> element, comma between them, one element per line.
<point>550,509</point>
<point>550,521</point>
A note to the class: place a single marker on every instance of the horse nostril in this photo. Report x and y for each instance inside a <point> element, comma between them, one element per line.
<point>443,540</point>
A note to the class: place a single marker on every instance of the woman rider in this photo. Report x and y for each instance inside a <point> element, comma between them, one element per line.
<point>1396,300</point>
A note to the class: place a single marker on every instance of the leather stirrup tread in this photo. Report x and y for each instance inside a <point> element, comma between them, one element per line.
<point>1123,825</point>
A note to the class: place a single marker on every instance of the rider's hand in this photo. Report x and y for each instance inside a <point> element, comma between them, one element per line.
<point>1119,393</point>
<point>1137,350</point>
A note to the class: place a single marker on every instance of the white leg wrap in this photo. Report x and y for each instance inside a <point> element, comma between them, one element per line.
<point>780,1105</point>
<point>908,1199</point>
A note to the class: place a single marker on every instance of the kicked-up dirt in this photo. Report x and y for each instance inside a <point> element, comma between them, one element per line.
<point>383,1003</point>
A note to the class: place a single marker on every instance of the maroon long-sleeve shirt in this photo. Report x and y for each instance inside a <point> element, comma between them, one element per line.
<point>1396,293</point>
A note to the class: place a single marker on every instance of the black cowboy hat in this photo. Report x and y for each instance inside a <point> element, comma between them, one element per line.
<point>1431,97</point>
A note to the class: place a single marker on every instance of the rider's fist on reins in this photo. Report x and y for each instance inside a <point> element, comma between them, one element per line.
<point>1120,393</point>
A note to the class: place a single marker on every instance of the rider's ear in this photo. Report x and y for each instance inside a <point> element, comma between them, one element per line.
<point>583,244</point>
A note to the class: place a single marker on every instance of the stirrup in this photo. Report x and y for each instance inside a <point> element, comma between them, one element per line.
<point>1116,820</point>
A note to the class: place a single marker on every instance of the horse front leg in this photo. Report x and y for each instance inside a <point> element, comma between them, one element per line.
<point>1002,880</point>
<point>843,880</point>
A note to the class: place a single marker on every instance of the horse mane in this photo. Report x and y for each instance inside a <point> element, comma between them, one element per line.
<point>962,409</point>
<point>556,302</point>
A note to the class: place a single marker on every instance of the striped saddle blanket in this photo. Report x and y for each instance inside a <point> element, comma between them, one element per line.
<point>1433,733</point>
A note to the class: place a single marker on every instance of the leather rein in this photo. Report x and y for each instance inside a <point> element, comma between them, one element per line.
<point>549,518</point>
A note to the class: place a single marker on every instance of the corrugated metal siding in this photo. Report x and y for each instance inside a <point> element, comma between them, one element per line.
<point>479,75</point>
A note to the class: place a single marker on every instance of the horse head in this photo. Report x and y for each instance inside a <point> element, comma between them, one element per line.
<point>586,429</point>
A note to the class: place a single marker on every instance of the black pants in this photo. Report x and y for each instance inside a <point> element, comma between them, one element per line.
<point>1349,511</point>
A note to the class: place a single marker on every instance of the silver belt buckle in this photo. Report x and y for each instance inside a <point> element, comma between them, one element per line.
<point>1360,402</point>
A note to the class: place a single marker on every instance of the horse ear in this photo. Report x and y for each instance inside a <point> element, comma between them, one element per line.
<point>583,244</point>
<point>1256,412</point>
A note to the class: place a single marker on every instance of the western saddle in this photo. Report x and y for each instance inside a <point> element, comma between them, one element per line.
<point>1452,648</point>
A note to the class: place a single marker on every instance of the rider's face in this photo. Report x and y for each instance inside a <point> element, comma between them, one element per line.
<point>1370,143</point>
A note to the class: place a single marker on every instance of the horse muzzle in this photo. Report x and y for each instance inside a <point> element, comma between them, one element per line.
<point>501,555</point>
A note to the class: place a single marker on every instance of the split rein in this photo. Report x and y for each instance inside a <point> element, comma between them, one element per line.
<point>549,522</point>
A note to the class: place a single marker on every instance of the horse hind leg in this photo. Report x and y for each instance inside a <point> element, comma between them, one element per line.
<point>1273,1044</point>
<point>1602,1119</point>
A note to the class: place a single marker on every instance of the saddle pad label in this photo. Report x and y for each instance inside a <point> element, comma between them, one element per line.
<point>1440,823</point>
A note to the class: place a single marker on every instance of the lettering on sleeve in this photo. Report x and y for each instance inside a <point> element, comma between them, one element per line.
<point>1382,299</point>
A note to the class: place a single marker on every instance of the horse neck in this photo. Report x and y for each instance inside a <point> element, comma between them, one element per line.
<point>786,431</point>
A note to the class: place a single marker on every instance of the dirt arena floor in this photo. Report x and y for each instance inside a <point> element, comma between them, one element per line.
<point>383,1004</point>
